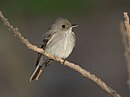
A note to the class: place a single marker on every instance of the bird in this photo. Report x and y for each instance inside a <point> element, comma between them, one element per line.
<point>59,41</point>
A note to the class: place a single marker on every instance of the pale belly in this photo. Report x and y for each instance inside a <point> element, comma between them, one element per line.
<point>61,45</point>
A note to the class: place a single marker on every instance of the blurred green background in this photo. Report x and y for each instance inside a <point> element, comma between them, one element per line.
<point>99,48</point>
<point>48,8</point>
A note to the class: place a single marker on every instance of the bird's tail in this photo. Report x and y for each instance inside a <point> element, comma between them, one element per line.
<point>39,68</point>
<point>36,74</point>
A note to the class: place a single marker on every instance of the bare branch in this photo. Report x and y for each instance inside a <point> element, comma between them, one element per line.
<point>127,26</point>
<point>73,66</point>
<point>125,32</point>
<point>127,21</point>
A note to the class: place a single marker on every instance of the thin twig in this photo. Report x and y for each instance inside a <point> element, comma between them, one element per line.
<point>127,26</point>
<point>73,66</point>
<point>125,31</point>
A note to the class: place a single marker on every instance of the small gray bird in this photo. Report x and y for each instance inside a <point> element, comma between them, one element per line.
<point>59,41</point>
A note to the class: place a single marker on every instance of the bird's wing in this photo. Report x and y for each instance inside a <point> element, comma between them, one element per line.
<point>46,37</point>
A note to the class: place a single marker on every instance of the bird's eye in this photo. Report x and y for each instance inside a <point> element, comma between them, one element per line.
<point>63,26</point>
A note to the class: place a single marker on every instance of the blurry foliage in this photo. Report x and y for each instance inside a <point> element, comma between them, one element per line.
<point>42,7</point>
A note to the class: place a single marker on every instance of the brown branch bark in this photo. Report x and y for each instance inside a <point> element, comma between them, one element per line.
<point>73,66</point>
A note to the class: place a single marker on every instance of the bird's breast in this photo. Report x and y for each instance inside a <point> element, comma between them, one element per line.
<point>61,45</point>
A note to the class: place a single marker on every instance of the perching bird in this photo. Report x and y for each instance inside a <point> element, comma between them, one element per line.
<point>58,41</point>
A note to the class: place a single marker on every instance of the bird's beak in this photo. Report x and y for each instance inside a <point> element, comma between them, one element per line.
<point>74,25</point>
